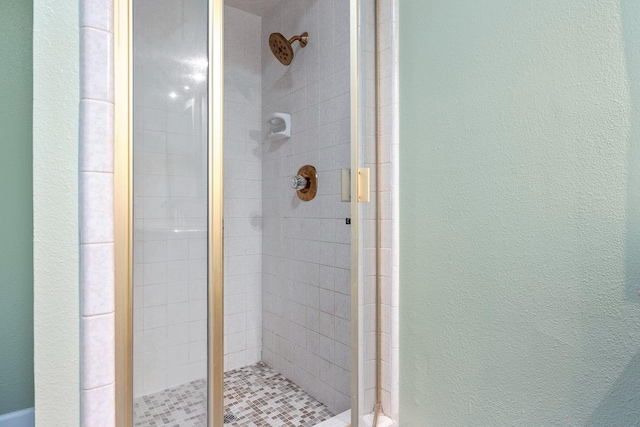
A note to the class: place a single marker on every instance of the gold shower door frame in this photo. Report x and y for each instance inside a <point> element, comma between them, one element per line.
<point>123,212</point>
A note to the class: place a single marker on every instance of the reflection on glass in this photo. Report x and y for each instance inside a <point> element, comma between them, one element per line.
<point>170,211</point>
<point>287,264</point>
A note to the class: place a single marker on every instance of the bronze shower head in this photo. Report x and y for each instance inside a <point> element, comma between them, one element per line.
<point>281,47</point>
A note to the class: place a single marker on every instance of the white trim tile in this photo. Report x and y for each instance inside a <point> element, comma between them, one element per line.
<point>96,65</point>
<point>96,136</point>
<point>96,193</point>
<point>98,351</point>
<point>97,14</point>
<point>97,278</point>
<point>98,407</point>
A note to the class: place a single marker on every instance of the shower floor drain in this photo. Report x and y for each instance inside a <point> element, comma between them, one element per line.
<point>229,417</point>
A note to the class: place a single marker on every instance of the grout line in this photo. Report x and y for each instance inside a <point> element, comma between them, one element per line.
<point>101,386</point>
<point>92,171</point>
<point>91,244</point>
<point>97,315</point>
<point>104,101</point>
<point>82,27</point>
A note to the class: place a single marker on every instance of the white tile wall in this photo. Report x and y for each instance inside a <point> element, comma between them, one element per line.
<point>306,252</point>
<point>390,112</point>
<point>389,214</point>
<point>367,260</point>
<point>243,189</point>
<point>389,92</point>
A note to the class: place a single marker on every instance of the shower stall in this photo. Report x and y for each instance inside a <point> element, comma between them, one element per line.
<point>251,295</point>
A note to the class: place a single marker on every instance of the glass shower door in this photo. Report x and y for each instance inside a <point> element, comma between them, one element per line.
<point>170,213</point>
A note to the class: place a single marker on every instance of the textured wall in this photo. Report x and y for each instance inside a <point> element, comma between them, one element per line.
<point>520,258</point>
<point>55,210</point>
<point>16,215</point>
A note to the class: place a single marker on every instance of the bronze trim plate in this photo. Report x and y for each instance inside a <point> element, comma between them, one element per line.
<point>309,192</point>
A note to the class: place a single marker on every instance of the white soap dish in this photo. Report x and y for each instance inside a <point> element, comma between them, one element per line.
<point>279,126</point>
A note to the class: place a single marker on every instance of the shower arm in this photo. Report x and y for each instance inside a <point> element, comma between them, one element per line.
<point>302,38</point>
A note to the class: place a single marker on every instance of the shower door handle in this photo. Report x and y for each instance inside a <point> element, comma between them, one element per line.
<point>364,185</point>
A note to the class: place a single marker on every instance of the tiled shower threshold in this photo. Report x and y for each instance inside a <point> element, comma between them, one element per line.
<point>255,395</point>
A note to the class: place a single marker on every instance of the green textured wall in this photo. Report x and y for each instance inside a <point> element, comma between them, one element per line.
<point>520,212</point>
<point>16,208</point>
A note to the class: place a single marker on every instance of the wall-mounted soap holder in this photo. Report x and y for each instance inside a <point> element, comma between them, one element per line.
<point>279,126</point>
<point>305,183</point>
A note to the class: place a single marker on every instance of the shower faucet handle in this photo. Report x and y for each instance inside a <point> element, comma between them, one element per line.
<point>305,183</point>
<point>299,182</point>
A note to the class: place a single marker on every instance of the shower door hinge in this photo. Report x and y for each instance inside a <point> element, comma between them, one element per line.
<point>364,185</point>
<point>345,185</point>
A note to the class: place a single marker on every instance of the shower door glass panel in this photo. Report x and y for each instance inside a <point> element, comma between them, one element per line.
<point>170,150</point>
<point>287,260</point>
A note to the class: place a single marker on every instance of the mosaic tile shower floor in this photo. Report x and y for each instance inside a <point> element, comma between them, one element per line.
<point>257,395</point>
